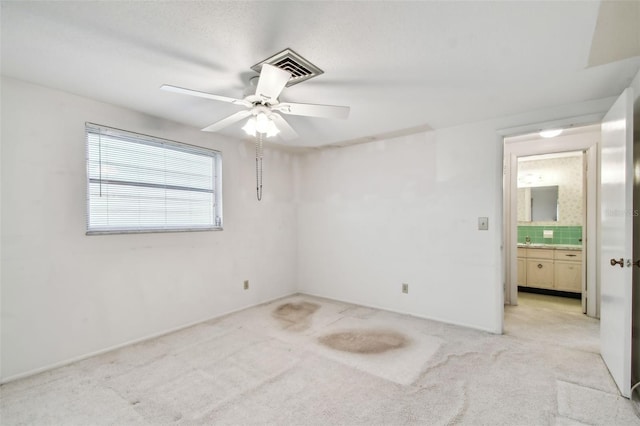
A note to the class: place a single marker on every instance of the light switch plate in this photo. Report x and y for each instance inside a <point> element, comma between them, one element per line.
<point>483,223</point>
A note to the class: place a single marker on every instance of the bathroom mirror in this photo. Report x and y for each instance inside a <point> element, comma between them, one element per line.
<point>539,204</point>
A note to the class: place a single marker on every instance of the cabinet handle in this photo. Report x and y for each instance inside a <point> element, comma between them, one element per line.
<point>571,255</point>
<point>539,265</point>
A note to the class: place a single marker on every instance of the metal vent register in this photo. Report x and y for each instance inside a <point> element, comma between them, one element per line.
<point>288,60</point>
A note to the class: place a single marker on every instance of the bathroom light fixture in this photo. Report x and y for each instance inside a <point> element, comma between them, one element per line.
<point>260,124</point>
<point>550,133</point>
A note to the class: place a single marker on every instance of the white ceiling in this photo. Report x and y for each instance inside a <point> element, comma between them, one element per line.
<point>399,65</point>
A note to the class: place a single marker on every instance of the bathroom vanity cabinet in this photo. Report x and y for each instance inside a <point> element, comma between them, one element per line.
<point>550,268</point>
<point>568,270</point>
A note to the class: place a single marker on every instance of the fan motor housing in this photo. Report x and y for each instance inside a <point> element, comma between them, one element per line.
<point>251,88</point>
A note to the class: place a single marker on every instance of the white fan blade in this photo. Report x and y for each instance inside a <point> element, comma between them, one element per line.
<point>313,110</point>
<point>227,121</point>
<point>271,82</point>
<point>205,95</point>
<point>286,131</point>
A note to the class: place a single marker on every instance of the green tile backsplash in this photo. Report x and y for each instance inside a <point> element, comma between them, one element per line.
<point>561,234</point>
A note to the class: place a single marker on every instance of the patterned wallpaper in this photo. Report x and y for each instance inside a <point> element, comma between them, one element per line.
<point>566,172</point>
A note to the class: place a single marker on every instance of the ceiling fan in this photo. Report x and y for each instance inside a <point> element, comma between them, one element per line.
<point>264,108</point>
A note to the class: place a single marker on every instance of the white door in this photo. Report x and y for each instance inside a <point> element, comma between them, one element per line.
<point>616,232</point>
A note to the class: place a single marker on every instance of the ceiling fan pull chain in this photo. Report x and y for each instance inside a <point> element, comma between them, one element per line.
<point>259,139</point>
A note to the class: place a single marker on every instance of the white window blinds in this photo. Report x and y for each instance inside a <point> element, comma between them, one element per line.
<point>138,183</point>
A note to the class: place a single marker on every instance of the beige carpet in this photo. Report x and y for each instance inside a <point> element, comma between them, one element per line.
<point>310,361</point>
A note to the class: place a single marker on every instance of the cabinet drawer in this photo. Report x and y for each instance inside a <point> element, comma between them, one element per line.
<point>522,252</point>
<point>540,253</point>
<point>569,255</point>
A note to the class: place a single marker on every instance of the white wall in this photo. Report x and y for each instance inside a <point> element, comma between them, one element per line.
<point>405,210</point>
<point>66,295</point>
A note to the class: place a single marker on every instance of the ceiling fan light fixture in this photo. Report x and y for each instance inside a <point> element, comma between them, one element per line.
<point>272,129</point>
<point>261,123</point>
<point>550,133</point>
<point>263,107</point>
<point>250,127</point>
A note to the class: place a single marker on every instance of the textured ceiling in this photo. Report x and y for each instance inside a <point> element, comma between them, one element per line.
<point>398,65</point>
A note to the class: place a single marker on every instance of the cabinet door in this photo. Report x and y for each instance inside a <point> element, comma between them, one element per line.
<point>522,272</point>
<point>540,273</point>
<point>568,276</point>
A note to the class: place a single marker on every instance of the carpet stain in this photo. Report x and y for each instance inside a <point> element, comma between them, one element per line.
<point>295,316</point>
<point>462,409</point>
<point>365,341</point>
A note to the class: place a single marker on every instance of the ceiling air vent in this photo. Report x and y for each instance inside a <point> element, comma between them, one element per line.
<point>290,61</point>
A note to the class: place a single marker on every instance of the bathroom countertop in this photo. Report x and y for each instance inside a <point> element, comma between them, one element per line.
<point>552,246</point>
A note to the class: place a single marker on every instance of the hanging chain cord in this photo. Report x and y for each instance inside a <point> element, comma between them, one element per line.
<point>259,165</point>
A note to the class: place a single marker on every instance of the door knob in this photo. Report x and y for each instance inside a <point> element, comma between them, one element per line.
<point>617,262</point>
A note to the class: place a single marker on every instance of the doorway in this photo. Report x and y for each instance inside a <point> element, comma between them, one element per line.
<point>551,213</point>
<point>575,238</point>
<point>608,242</point>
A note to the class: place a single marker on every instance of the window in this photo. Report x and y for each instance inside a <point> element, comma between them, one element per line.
<point>138,183</point>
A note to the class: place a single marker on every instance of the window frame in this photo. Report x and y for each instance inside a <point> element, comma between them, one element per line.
<point>143,139</point>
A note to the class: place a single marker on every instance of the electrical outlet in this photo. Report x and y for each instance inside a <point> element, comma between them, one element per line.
<point>246,284</point>
<point>405,288</point>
